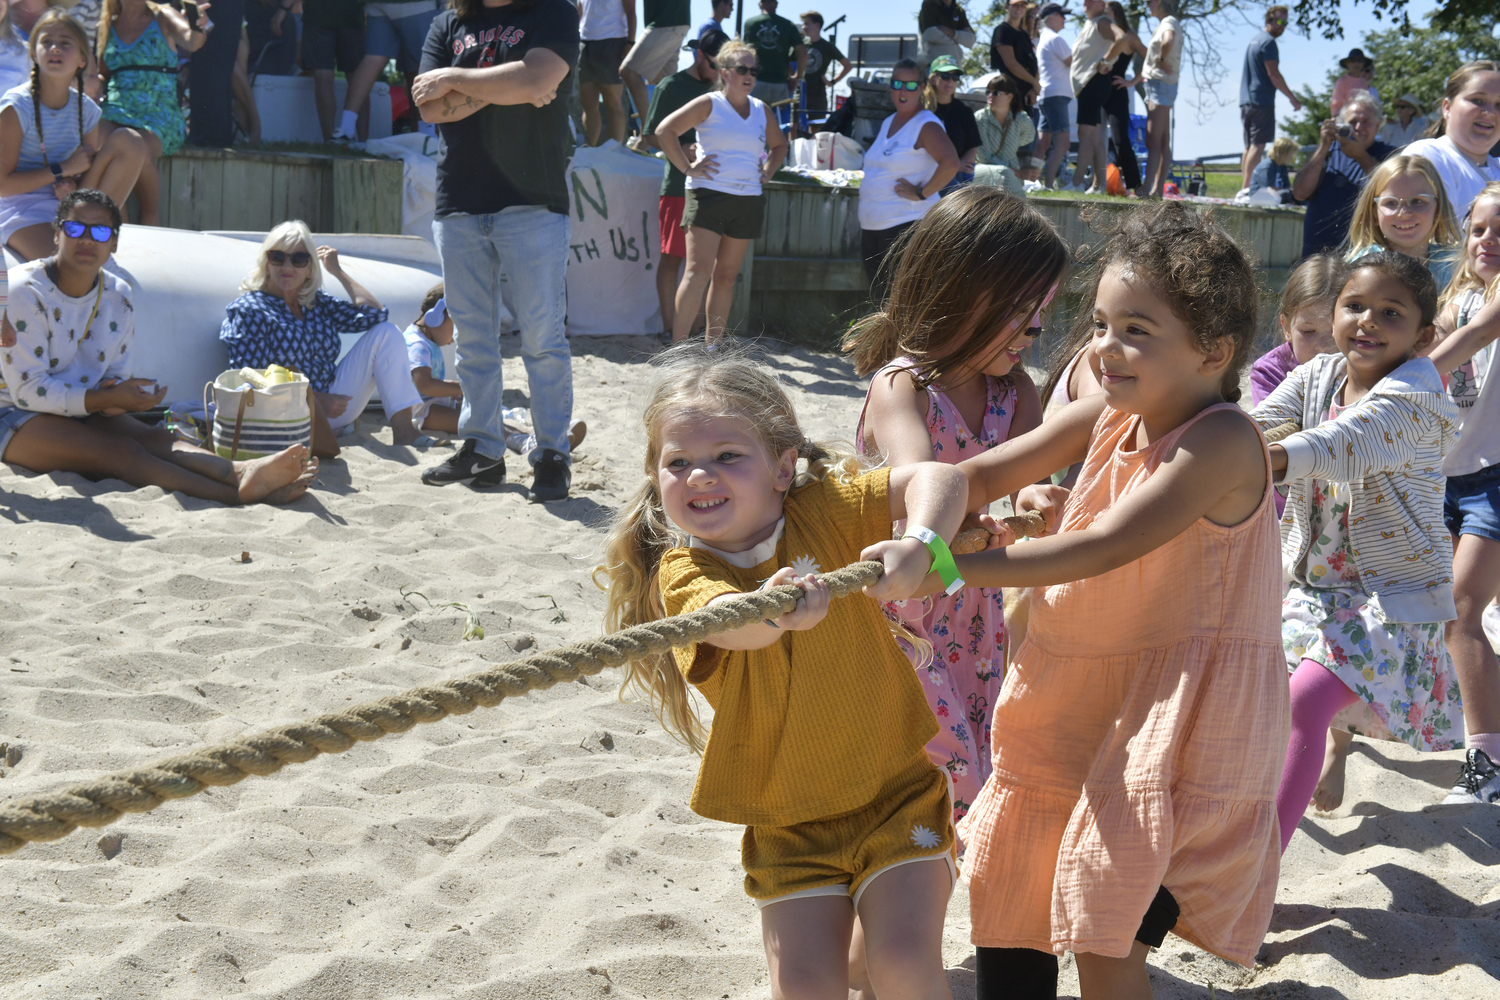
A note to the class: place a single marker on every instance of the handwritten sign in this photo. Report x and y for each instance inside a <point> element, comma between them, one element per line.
<point>615,245</point>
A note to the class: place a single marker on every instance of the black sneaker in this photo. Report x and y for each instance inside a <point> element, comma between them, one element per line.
<point>550,477</point>
<point>491,477</point>
<point>1478,780</point>
<point>464,465</point>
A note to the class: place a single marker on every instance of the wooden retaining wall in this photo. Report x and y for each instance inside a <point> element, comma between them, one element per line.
<point>809,280</point>
<point>210,189</point>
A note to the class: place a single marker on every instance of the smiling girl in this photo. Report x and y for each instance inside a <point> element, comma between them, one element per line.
<point>50,144</point>
<point>1403,207</point>
<point>1466,130</point>
<point>1143,719</point>
<point>1362,544</point>
<point>820,726</point>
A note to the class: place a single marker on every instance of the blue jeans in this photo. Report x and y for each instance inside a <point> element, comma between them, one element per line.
<point>530,245</point>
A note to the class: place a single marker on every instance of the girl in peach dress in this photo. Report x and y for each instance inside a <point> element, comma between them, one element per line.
<point>1139,734</point>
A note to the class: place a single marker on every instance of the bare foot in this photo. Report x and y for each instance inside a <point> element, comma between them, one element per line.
<point>294,489</point>
<point>1329,794</point>
<point>576,434</point>
<point>263,476</point>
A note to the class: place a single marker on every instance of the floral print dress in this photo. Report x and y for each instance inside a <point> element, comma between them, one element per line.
<point>1401,671</point>
<point>962,677</point>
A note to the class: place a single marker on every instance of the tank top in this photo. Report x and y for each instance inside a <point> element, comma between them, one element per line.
<point>736,143</point>
<point>892,158</point>
<point>1473,388</point>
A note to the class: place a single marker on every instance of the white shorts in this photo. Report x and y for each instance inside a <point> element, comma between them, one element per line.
<point>654,54</point>
<point>18,211</point>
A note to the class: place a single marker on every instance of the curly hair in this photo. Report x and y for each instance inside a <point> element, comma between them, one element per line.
<point>87,196</point>
<point>1199,271</point>
<point>1412,273</point>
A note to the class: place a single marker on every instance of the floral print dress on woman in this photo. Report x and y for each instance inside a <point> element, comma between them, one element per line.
<point>962,677</point>
<point>1401,671</point>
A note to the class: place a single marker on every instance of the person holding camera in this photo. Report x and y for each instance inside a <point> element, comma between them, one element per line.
<point>1330,180</point>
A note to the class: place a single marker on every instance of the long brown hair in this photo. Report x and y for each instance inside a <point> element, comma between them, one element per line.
<point>469,9</point>
<point>725,382</point>
<point>1456,82</point>
<point>109,11</point>
<point>56,15</point>
<point>980,249</point>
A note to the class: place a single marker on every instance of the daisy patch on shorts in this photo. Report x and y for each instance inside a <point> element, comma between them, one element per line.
<point>924,837</point>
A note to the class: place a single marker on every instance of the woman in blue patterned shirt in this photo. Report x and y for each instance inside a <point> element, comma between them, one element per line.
<point>285,318</point>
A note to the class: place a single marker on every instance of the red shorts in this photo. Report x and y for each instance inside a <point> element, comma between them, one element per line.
<point>669,217</point>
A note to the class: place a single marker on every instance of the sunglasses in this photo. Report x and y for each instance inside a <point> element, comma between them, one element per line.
<point>745,70</point>
<point>99,234</point>
<point>906,84</point>
<point>301,258</point>
<point>950,77</point>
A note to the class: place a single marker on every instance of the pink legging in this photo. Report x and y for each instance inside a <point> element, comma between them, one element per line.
<point>1317,696</point>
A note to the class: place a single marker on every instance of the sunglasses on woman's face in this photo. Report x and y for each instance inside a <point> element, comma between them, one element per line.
<point>745,70</point>
<point>950,77</point>
<point>301,258</point>
<point>99,234</point>
<point>905,84</point>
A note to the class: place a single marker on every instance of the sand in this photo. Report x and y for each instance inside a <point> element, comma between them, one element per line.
<point>540,849</point>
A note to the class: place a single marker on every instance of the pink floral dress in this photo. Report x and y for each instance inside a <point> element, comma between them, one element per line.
<point>1401,671</point>
<point>967,631</point>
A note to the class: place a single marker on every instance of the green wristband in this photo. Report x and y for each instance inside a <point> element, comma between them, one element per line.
<point>942,559</point>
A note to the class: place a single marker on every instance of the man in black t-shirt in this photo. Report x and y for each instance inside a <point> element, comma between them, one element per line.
<point>491,72</point>
<point>821,54</point>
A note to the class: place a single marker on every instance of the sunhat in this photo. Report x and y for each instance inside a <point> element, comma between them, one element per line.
<point>1410,99</point>
<point>1356,55</point>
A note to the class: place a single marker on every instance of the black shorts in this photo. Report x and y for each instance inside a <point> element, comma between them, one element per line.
<point>332,48</point>
<point>600,60</point>
<point>1092,98</point>
<point>1260,124</point>
<point>738,216</point>
<point>817,96</point>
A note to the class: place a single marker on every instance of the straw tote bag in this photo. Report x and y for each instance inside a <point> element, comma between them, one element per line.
<point>258,413</point>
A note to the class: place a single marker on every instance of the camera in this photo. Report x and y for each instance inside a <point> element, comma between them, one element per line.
<point>1345,132</point>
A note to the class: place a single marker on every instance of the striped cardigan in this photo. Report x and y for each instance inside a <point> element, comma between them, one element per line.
<point>1388,449</point>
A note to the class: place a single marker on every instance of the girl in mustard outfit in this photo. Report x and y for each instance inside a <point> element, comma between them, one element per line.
<point>1139,734</point>
<point>820,725</point>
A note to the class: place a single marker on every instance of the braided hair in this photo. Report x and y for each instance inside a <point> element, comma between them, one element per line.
<point>56,15</point>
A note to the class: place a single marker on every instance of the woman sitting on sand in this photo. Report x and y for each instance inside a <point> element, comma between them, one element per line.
<point>67,391</point>
<point>285,318</point>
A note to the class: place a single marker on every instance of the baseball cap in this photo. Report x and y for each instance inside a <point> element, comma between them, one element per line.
<point>710,43</point>
<point>944,64</point>
<point>1048,9</point>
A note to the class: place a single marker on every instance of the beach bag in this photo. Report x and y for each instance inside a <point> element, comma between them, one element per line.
<point>258,413</point>
<point>839,152</point>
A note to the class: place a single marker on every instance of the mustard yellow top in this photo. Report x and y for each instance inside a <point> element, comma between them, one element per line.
<point>819,723</point>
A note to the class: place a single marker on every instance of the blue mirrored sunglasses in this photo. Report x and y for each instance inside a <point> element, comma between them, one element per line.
<point>99,234</point>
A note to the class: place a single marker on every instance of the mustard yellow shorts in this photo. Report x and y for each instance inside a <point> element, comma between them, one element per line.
<point>840,856</point>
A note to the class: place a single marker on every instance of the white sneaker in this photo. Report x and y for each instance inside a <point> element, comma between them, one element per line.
<point>1478,781</point>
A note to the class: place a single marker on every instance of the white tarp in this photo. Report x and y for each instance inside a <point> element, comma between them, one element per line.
<point>418,156</point>
<point>615,247</point>
<point>288,112</point>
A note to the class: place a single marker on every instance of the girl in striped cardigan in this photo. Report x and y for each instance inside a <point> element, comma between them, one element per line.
<point>1363,543</point>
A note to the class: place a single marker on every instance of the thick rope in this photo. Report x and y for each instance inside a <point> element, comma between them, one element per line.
<point>101,802</point>
<point>1282,431</point>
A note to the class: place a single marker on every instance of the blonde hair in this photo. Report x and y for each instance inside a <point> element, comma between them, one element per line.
<point>1364,227</point>
<point>1464,276</point>
<point>729,54</point>
<point>726,382</point>
<point>289,236</point>
<point>1283,149</point>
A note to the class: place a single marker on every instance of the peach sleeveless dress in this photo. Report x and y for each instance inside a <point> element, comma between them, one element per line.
<point>1139,737</point>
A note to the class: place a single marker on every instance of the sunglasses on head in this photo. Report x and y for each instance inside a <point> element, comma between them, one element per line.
<point>300,258</point>
<point>99,234</point>
<point>745,70</point>
<point>905,84</point>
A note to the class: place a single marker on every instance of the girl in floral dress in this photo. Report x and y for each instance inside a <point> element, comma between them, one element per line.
<point>945,354</point>
<point>1363,540</point>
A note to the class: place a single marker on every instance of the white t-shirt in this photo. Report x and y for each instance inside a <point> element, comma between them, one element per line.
<point>1152,70</point>
<point>1461,178</point>
<point>601,19</point>
<point>1052,53</point>
<point>1474,391</point>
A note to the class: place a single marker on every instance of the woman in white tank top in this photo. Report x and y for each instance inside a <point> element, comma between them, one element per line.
<point>740,144</point>
<point>910,161</point>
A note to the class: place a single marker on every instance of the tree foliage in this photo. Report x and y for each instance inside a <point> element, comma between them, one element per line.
<point>1416,61</point>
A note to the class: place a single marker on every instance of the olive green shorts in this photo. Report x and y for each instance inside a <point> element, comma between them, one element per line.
<point>738,216</point>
